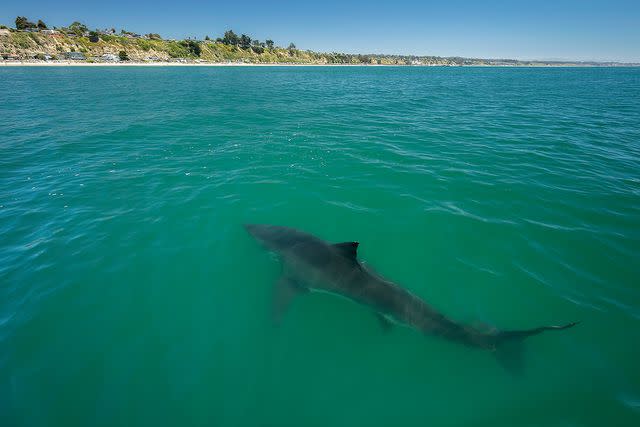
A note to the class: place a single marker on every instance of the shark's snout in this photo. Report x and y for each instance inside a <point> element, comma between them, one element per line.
<point>250,228</point>
<point>275,237</point>
<point>260,232</point>
<point>266,234</point>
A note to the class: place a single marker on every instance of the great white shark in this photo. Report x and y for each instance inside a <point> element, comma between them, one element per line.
<point>312,264</point>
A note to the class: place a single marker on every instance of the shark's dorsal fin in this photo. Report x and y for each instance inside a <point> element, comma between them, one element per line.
<point>348,249</point>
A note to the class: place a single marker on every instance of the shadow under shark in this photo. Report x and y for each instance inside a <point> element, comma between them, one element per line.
<point>311,264</point>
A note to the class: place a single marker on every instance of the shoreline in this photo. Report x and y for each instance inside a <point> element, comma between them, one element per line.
<point>32,63</point>
<point>172,64</point>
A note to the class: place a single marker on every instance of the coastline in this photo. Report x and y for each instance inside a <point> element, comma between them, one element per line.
<point>71,47</point>
<point>175,64</point>
<point>33,63</point>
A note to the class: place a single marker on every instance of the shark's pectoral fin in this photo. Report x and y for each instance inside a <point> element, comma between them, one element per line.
<point>283,293</point>
<point>384,322</point>
<point>510,357</point>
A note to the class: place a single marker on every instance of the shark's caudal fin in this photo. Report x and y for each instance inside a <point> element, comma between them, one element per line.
<point>509,345</point>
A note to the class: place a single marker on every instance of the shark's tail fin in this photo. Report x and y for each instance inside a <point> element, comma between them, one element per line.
<point>509,345</point>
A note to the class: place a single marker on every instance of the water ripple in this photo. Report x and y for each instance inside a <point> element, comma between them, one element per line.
<point>508,195</point>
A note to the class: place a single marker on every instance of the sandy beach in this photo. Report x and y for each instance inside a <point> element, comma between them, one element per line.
<point>282,64</point>
<point>175,64</point>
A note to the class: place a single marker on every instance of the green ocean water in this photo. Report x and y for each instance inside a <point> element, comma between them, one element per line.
<point>130,294</point>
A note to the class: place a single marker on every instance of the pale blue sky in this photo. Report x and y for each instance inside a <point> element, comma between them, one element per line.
<point>558,29</point>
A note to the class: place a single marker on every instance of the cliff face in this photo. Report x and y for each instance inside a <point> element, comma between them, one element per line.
<point>28,45</point>
<point>23,45</point>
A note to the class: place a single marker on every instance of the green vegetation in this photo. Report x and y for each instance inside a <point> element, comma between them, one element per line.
<point>34,37</point>
<point>230,38</point>
<point>123,55</point>
<point>245,42</point>
<point>77,28</point>
<point>109,38</point>
<point>22,23</point>
<point>176,50</point>
<point>192,46</point>
<point>22,40</point>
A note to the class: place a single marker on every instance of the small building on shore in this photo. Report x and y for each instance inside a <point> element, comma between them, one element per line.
<point>110,57</point>
<point>75,56</point>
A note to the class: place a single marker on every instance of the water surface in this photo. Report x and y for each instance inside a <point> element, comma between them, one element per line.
<point>131,295</point>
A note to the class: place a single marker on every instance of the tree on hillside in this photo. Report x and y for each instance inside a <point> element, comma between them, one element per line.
<point>207,38</point>
<point>292,48</point>
<point>78,28</point>
<point>22,23</point>
<point>269,44</point>
<point>41,25</point>
<point>192,46</point>
<point>123,55</point>
<point>257,46</point>
<point>245,41</point>
<point>154,36</point>
<point>230,38</point>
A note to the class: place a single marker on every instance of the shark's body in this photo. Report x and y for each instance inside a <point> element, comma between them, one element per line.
<point>310,263</point>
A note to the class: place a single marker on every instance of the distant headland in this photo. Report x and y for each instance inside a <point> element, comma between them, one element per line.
<point>37,44</point>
